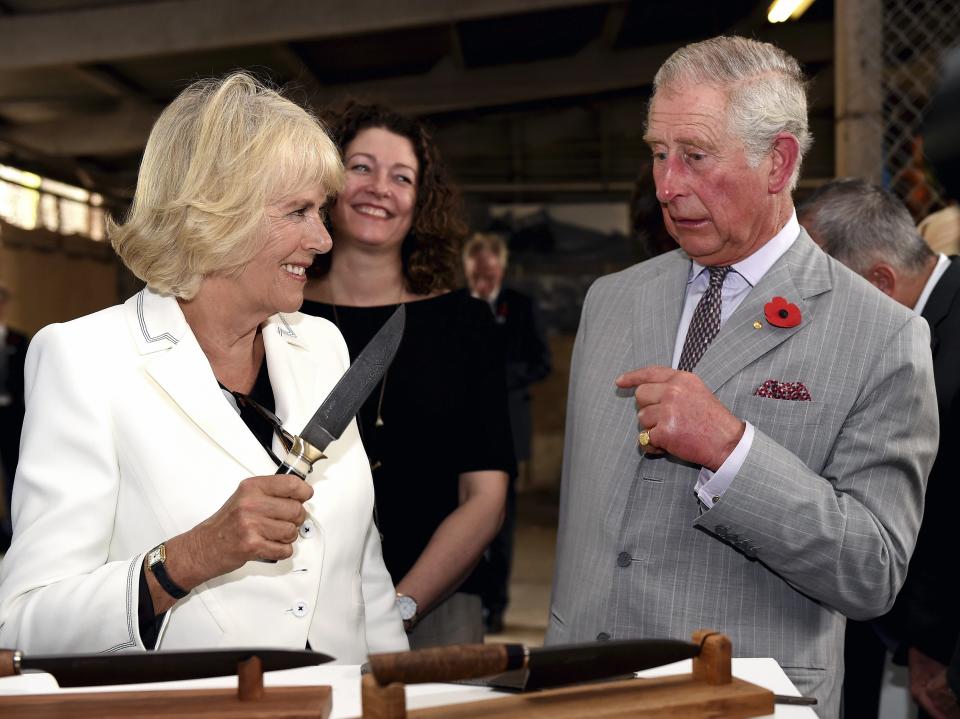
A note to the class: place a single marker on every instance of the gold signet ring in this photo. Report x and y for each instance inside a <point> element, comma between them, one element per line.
<point>643,439</point>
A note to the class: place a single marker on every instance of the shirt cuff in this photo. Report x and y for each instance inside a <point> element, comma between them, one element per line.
<point>711,485</point>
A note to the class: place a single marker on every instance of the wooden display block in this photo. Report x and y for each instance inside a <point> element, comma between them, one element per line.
<point>674,697</point>
<point>276,703</point>
<point>250,701</point>
<point>708,691</point>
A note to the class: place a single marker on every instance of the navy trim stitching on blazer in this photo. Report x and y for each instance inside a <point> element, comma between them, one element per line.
<point>143,324</point>
<point>131,642</point>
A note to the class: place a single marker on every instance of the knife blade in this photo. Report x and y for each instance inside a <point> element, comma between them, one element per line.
<point>345,399</point>
<point>545,667</point>
<point>80,670</point>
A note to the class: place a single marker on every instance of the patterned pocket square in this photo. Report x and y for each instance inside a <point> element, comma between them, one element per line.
<point>772,389</point>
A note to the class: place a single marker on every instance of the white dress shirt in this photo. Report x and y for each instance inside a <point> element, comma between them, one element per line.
<point>736,286</point>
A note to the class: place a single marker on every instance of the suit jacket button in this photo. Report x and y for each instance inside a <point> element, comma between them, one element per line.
<point>300,608</point>
<point>624,559</point>
<point>308,529</point>
<point>603,637</point>
<point>720,530</point>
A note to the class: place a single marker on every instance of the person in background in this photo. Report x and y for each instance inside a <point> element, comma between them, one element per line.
<point>750,425</point>
<point>436,430</point>
<point>147,512</point>
<point>935,677</point>
<point>870,230</point>
<point>13,352</point>
<point>527,357</point>
<point>941,230</point>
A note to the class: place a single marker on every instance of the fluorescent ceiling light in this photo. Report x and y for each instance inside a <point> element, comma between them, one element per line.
<point>783,10</point>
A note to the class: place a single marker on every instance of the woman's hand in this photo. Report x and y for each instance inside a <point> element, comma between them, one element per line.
<point>260,520</point>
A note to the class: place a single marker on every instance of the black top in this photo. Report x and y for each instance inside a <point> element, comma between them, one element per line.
<point>444,412</point>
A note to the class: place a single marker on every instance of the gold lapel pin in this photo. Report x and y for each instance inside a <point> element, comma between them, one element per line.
<point>757,325</point>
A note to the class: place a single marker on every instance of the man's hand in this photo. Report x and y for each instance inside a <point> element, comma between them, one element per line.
<point>929,688</point>
<point>682,417</point>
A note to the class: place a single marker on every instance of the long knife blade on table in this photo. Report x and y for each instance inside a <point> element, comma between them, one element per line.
<point>345,399</point>
<point>530,668</point>
<point>80,670</point>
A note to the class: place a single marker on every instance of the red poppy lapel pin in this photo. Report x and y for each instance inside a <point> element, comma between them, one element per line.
<point>781,313</point>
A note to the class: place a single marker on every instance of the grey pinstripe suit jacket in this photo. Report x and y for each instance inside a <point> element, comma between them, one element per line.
<point>822,518</point>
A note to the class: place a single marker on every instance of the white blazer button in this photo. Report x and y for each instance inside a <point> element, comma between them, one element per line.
<point>300,608</point>
<point>308,529</point>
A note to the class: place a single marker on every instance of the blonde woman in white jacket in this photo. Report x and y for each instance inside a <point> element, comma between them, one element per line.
<point>145,491</point>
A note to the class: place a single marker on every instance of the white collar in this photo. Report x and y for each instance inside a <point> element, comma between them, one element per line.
<point>942,263</point>
<point>754,267</point>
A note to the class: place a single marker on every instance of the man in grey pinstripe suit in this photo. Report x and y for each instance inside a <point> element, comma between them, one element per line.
<point>777,486</point>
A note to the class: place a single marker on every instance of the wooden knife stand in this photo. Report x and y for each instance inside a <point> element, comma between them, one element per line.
<point>709,691</point>
<point>250,700</point>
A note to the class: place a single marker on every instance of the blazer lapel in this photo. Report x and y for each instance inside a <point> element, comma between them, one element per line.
<point>292,373</point>
<point>941,300</point>
<point>800,274</point>
<point>180,368</point>
<point>657,310</point>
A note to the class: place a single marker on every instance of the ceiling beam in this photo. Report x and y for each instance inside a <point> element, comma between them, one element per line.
<point>593,71</point>
<point>120,132</point>
<point>146,29</point>
<point>447,89</point>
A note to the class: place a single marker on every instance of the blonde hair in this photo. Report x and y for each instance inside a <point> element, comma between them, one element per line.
<point>486,241</point>
<point>766,90</point>
<point>218,155</point>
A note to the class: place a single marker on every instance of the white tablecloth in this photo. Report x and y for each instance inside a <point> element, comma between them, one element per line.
<point>346,686</point>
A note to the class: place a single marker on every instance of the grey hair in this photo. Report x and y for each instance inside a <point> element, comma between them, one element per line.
<point>766,90</point>
<point>859,223</point>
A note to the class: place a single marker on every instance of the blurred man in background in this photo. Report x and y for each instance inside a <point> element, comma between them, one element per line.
<point>527,356</point>
<point>871,231</point>
<point>937,686</point>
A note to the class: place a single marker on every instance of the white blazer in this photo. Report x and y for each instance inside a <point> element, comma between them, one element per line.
<point>128,441</point>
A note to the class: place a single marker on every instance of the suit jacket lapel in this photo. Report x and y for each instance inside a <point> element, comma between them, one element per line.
<point>292,373</point>
<point>800,274</point>
<point>180,368</point>
<point>657,309</point>
<point>941,300</point>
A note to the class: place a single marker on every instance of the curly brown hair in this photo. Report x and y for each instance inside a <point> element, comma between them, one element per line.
<point>431,250</point>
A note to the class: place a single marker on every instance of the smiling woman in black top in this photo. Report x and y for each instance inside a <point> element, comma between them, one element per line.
<point>436,430</point>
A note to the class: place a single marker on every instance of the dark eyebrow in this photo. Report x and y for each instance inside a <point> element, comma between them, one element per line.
<point>374,159</point>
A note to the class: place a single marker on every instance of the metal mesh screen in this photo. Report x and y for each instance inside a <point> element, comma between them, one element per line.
<point>916,33</point>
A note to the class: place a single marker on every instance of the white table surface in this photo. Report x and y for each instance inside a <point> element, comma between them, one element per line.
<point>346,686</point>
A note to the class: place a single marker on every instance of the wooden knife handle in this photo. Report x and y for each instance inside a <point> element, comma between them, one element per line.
<point>441,664</point>
<point>8,667</point>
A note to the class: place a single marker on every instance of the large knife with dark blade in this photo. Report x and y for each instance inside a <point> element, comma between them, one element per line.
<point>345,399</point>
<point>81,670</point>
<point>539,667</point>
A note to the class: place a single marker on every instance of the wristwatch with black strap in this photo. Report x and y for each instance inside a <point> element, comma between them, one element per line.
<point>156,563</point>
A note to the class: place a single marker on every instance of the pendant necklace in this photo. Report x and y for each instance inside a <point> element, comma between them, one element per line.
<point>383,383</point>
